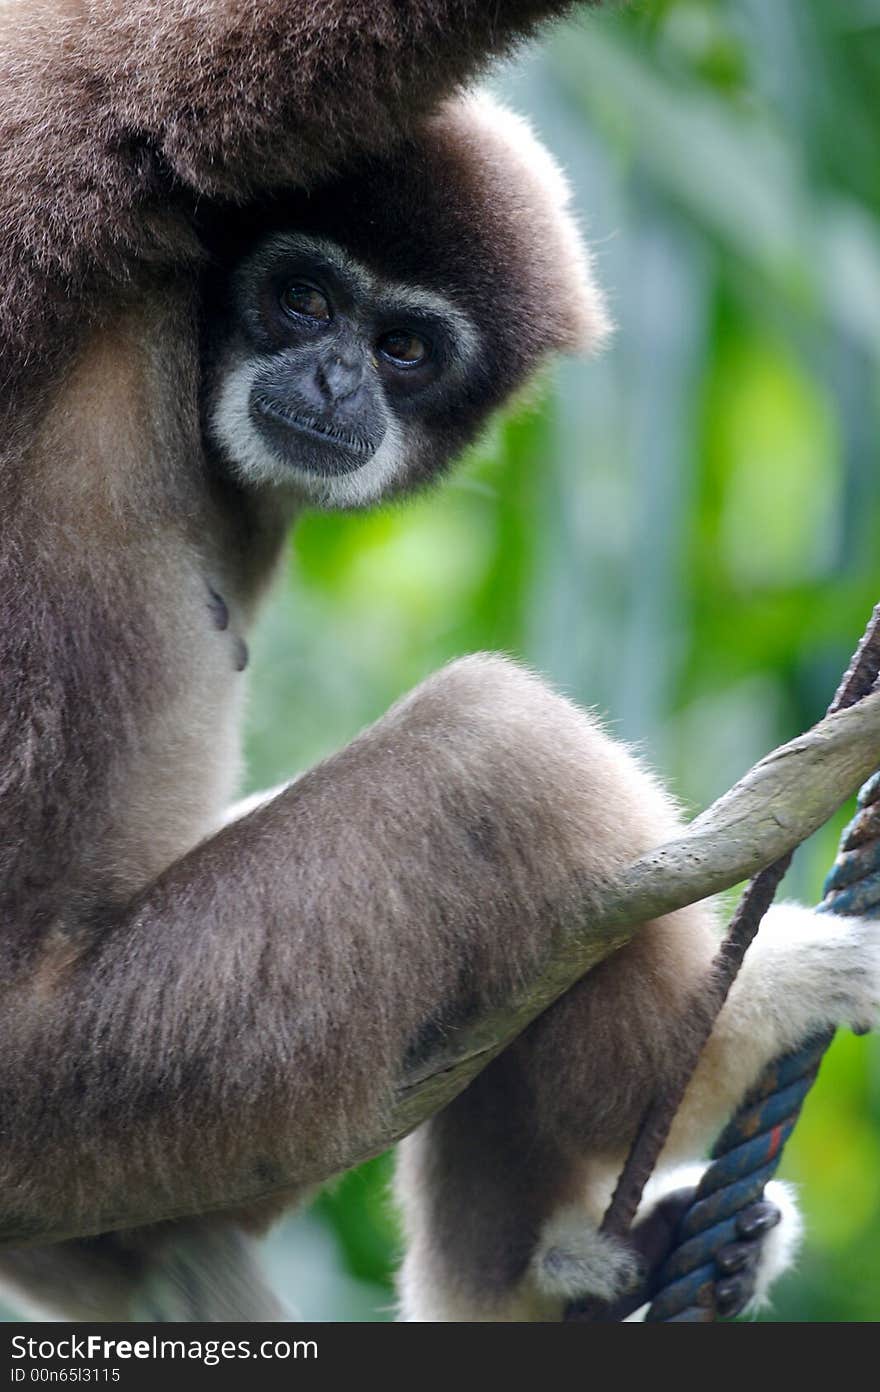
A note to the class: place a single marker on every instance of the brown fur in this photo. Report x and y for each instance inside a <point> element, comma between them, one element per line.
<point>191,1018</point>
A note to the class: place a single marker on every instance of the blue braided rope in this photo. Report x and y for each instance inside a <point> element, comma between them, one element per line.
<point>747,1153</point>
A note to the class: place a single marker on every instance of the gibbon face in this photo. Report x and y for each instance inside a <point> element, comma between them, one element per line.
<point>361,334</point>
<point>337,381</point>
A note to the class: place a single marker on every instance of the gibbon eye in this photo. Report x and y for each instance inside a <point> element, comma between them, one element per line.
<point>306,302</point>
<point>404,349</point>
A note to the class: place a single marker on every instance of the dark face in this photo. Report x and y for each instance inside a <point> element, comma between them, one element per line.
<point>334,379</point>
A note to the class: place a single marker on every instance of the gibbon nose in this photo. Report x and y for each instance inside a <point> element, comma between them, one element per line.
<point>337,378</point>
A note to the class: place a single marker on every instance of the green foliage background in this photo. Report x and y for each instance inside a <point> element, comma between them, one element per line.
<point>685,533</point>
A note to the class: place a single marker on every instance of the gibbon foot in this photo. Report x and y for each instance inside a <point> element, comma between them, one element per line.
<point>576,1262</point>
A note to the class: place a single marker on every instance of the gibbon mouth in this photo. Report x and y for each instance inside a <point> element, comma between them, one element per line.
<point>308,425</point>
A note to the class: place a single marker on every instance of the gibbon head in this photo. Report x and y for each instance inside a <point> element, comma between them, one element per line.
<point>370,327</point>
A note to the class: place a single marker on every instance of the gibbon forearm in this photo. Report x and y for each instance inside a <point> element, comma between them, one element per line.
<point>115,117</point>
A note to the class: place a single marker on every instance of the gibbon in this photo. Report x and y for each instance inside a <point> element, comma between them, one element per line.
<point>257,258</point>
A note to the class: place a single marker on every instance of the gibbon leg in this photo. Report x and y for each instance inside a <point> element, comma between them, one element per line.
<point>242,1025</point>
<point>503,1193</point>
